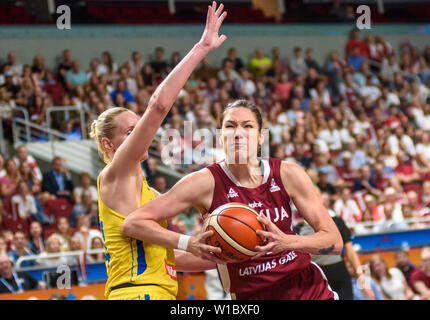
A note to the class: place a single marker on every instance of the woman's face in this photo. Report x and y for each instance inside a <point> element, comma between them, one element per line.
<point>35,229</point>
<point>25,168</point>
<point>379,268</point>
<point>54,245</point>
<point>240,135</point>
<point>97,243</point>
<point>63,226</point>
<point>11,167</point>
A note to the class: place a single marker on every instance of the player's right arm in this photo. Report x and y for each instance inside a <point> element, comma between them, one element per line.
<point>136,145</point>
<point>194,190</point>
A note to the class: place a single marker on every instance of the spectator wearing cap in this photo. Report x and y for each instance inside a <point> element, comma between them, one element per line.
<point>323,184</point>
<point>420,278</point>
<point>346,172</point>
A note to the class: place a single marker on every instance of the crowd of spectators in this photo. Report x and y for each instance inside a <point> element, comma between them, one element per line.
<point>358,123</point>
<point>44,212</point>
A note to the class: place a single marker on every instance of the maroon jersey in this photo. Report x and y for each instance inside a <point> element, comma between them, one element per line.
<point>244,279</point>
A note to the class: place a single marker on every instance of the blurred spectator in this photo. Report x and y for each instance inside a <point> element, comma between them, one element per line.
<point>346,207</point>
<point>420,278</point>
<point>237,61</point>
<point>259,64</point>
<point>20,249</point>
<point>136,63</point>
<point>85,206</point>
<point>3,245</point>
<point>85,232</point>
<point>52,247</point>
<point>36,239</point>
<point>158,64</point>
<point>24,204</point>
<point>75,76</point>
<point>9,182</point>
<point>357,287</point>
<point>160,184</point>
<point>391,280</point>
<point>85,185</point>
<point>227,73</point>
<point>63,233</point>
<point>96,243</point>
<point>205,71</point>
<point>404,264</point>
<point>58,181</point>
<point>15,281</point>
<point>65,65</point>
<point>121,89</point>
<point>354,59</point>
<point>297,63</point>
<point>310,60</point>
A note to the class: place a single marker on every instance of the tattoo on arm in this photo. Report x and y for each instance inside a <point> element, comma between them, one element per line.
<point>327,250</point>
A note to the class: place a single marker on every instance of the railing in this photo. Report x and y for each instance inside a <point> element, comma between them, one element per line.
<point>38,257</point>
<point>387,225</point>
<point>66,110</point>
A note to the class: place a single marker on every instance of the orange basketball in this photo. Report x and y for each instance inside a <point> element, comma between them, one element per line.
<point>234,227</point>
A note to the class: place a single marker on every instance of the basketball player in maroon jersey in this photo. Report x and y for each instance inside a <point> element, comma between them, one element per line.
<point>283,269</point>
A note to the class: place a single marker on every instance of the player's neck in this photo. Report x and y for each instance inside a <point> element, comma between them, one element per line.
<point>248,173</point>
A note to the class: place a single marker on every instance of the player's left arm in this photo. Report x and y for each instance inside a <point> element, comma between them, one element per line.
<point>325,240</point>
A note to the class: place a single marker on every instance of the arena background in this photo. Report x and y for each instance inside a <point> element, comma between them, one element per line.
<point>28,28</point>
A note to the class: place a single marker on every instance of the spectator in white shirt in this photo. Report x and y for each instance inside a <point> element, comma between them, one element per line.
<point>228,72</point>
<point>331,136</point>
<point>347,208</point>
<point>24,202</point>
<point>135,63</point>
<point>423,149</point>
<point>297,63</point>
<point>397,138</point>
<point>391,280</point>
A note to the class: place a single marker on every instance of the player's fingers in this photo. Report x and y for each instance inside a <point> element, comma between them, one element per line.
<point>207,248</point>
<point>221,19</point>
<point>203,236</point>
<point>265,234</point>
<point>219,10</point>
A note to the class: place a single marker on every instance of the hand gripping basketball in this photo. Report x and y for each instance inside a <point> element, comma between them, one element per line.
<point>197,246</point>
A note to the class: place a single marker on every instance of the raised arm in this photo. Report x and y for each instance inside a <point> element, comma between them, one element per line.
<point>137,144</point>
<point>196,190</point>
<point>325,240</point>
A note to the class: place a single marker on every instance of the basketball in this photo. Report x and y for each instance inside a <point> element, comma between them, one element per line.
<point>234,226</point>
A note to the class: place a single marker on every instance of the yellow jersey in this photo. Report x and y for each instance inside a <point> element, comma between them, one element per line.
<point>130,260</point>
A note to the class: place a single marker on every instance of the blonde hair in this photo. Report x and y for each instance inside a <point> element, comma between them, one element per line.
<point>103,127</point>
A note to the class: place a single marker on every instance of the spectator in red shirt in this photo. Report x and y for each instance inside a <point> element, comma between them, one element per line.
<point>420,278</point>
<point>355,42</point>
<point>405,169</point>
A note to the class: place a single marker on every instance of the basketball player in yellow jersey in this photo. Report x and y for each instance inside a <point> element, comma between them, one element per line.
<point>136,269</point>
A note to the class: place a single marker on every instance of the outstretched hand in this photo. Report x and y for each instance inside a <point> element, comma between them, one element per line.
<point>210,38</point>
